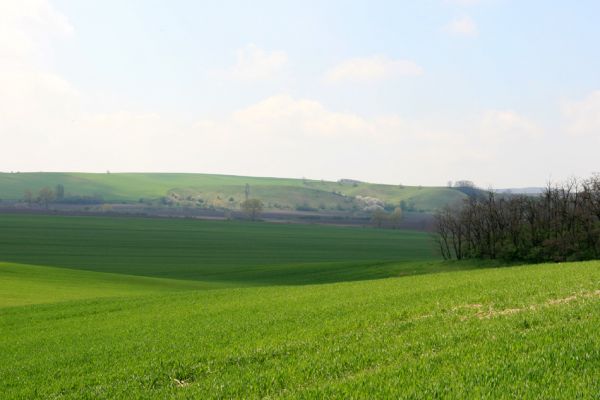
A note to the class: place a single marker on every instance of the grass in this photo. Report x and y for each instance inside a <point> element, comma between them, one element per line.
<point>519,332</point>
<point>216,190</point>
<point>240,252</point>
<point>32,284</point>
<point>119,308</point>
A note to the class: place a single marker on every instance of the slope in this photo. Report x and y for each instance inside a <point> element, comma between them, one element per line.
<point>520,332</point>
<point>226,191</point>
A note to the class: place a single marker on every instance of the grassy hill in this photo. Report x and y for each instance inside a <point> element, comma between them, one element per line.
<point>96,307</point>
<point>32,284</point>
<point>225,191</point>
<point>519,332</point>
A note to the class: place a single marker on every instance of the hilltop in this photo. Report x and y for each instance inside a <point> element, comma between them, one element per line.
<point>226,192</point>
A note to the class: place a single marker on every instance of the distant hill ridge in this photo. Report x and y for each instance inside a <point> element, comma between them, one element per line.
<point>228,191</point>
<point>526,190</point>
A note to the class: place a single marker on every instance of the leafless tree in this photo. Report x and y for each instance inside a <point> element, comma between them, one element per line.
<point>252,208</point>
<point>561,224</point>
<point>396,218</point>
<point>28,197</point>
<point>46,196</point>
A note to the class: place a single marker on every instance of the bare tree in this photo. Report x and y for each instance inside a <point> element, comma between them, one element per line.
<point>562,224</point>
<point>28,197</point>
<point>396,217</point>
<point>252,208</point>
<point>45,196</point>
<point>464,184</point>
<point>378,217</point>
<point>443,222</point>
<point>60,192</point>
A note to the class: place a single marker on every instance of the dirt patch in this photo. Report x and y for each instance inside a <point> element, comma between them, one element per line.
<point>509,311</point>
<point>180,382</point>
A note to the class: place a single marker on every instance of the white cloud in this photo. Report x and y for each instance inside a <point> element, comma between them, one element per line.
<point>506,125</point>
<point>284,115</point>
<point>254,63</point>
<point>295,137</point>
<point>303,137</point>
<point>371,69</point>
<point>462,26</point>
<point>25,27</point>
<point>29,92</point>
<point>583,117</point>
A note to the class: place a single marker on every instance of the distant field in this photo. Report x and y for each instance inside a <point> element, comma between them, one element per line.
<point>520,332</point>
<point>225,190</point>
<point>240,253</point>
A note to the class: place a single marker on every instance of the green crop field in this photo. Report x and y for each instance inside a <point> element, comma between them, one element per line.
<point>238,253</point>
<point>126,308</point>
<point>225,190</point>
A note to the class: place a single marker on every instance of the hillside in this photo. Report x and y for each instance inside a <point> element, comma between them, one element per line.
<point>100,307</point>
<point>226,192</point>
<point>520,332</point>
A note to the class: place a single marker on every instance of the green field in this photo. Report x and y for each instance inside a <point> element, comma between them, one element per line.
<point>225,252</point>
<point>156,308</point>
<point>225,190</point>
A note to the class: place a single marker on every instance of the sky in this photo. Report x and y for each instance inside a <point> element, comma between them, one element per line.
<point>503,93</point>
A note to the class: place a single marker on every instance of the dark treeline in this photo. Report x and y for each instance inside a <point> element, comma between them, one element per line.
<point>561,224</point>
<point>47,196</point>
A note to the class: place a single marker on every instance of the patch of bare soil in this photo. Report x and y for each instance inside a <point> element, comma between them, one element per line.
<point>491,312</point>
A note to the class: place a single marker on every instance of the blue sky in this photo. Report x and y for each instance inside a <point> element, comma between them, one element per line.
<point>505,93</point>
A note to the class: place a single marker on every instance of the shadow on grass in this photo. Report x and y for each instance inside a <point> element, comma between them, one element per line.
<point>302,273</point>
<point>297,274</point>
<point>334,272</point>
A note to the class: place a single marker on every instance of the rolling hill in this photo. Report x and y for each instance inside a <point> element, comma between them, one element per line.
<point>520,332</point>
<point>100,307</point>
<point>226,192</point>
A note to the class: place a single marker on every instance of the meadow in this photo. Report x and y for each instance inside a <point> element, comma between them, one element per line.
<point>240,253</point>
<point>152,308</point>
<point>216,190</point>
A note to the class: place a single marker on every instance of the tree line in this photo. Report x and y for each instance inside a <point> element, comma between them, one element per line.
<point>382,219</point>
<point>46,196</point>
<point>561,224</point>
